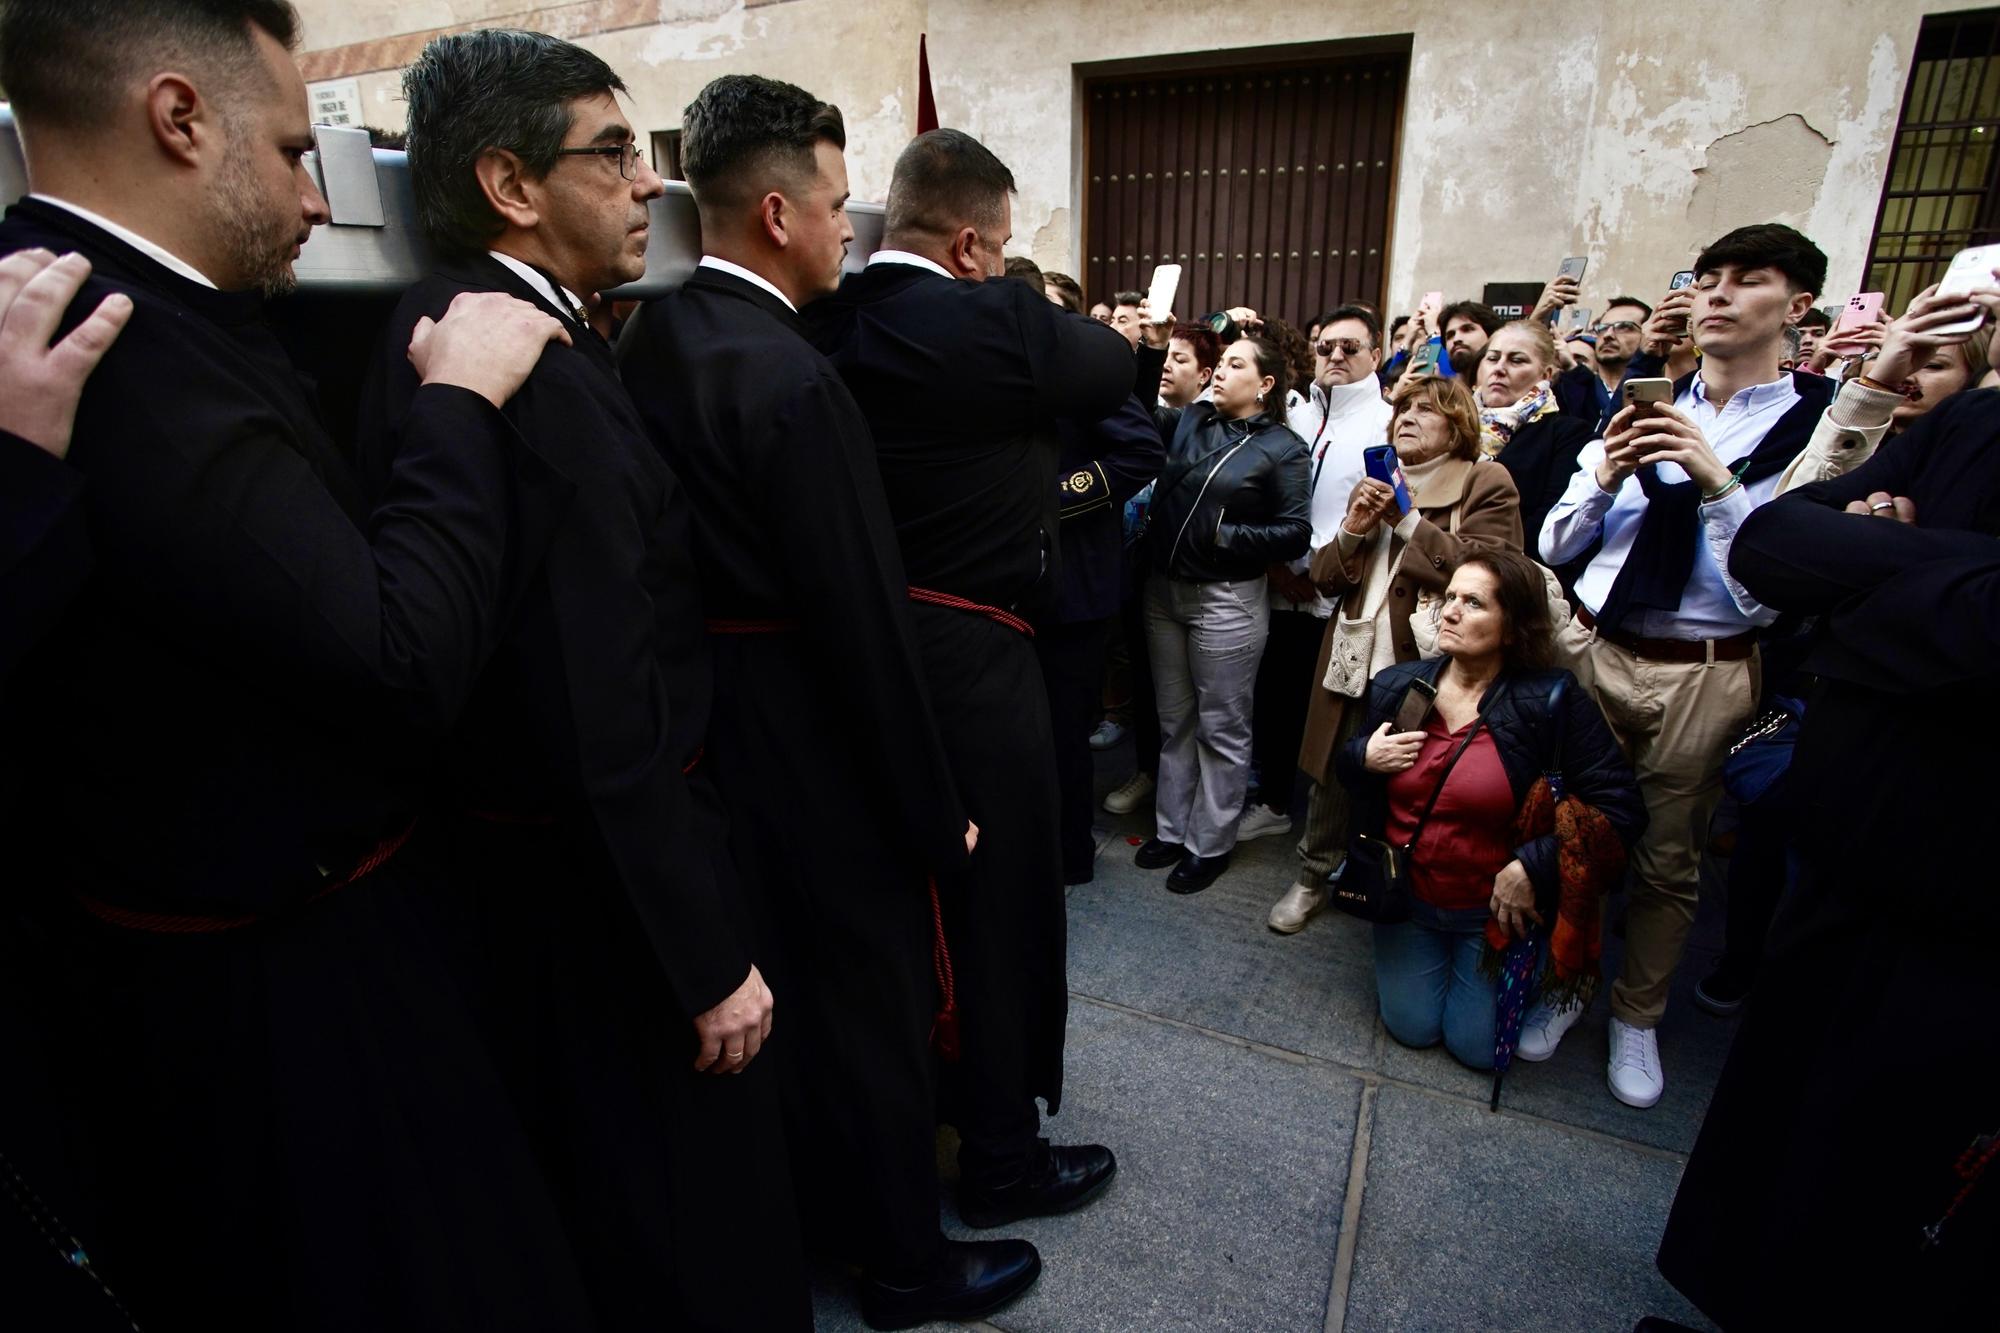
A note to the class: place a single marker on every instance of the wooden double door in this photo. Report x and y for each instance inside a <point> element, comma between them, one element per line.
<point>1272,186</point>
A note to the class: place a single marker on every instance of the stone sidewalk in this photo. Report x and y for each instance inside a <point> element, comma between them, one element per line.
<point>1283,1165</point>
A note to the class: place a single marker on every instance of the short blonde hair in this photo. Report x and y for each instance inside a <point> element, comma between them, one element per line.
<point>1536,333</point>
<point>1453,401</point>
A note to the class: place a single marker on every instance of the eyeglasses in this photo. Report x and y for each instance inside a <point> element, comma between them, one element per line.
<point>1615,326</point>
<point>1351,346</point>
<point>627,154</point>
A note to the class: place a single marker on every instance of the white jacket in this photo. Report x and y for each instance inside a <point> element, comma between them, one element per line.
<point>1336,426</point>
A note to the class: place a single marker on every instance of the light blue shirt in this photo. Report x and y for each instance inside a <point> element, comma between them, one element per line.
<point>1715,606</point>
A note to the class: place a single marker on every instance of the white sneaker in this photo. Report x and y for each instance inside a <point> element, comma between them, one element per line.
<point>1108,734</point>
<point>1260,820</point>
<point>1543,1028</point>
<point>1299,905</point>
<point>1634,1072</point>
<point>1138,789</point>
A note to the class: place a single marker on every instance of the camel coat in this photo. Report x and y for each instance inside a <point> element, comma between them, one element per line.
<point>1489,517</point>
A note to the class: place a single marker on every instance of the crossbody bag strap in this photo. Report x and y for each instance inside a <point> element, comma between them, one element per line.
<point>1417,830</point>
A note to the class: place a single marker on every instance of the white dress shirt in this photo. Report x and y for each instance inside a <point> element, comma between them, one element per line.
<point>164,258</point>
<point>1714,606</point>
<point>754,279</point>
<point>566,302</point>
<point>905,257</point>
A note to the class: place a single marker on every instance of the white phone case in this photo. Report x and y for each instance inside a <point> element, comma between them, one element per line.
<point>1165,286</point>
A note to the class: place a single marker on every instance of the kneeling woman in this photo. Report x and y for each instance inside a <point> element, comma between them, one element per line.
<point>1230,501</point>
<point>1493,688</point>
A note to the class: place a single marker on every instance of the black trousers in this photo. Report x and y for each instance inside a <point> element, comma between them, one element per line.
<point>1072,660</point>
<point>1284,685</point>
<point>1758,872</point>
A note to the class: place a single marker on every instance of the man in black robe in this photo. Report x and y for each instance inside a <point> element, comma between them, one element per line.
<point>822,742</point>
<point>962,380</point>
<point>1845,1175</point>
<point>229,970</point>
<point>625,1000</point>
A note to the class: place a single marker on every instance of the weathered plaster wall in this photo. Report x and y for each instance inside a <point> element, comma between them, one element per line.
<point>1632,134</point>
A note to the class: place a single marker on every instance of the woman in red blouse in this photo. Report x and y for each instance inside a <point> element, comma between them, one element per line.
<point>1494,692</point>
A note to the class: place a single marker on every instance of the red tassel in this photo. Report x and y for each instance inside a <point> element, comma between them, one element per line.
<point>944,1027</point>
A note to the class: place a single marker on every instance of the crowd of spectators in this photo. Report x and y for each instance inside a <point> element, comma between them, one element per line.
<point>1493,616</point>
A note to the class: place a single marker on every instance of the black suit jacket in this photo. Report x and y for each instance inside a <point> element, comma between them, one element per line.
<point>790,524</point>
<point>236,696</point>
<point>598,694</point>
<point>962,384</point>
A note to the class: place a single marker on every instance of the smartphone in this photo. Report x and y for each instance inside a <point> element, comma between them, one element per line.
<point>1684,278</point>
<point>1381,463</point>
<point>1969,269</point>
<point>1649,392</point>
<point>1160,293</point>
<point>1579,318</point>
<point>1862,310</point>
<point>1573,267</point>
<point>1424,360</point>
<point>1415,710</point>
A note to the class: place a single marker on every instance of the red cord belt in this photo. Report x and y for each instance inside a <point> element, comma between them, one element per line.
<point>944,1025</point>
<point>998,615</point>
<point>164,923</point>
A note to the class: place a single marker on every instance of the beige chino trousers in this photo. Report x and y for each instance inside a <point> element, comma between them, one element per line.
<point>1675,721</point>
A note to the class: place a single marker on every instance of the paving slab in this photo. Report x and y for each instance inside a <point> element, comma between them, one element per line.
<point>1209,959</point>
<point>1225,1214</point>
<point>1482,1222</point>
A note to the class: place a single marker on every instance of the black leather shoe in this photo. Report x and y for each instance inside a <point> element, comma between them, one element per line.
<point>1064,1180</point>
<point>973,1278</point>
<point>1197,872</point>
<point>1155,854</point>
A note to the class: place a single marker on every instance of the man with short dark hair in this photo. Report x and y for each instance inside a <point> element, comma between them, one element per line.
<point>841,800</point>
<point>962,381</point>
<point>1126,317</point>
<point>1666,637</point>
<point>238,969</point>
<point>620,976</point>
<point>1591,395</point>
<point>1813,326</point>
<point>1464,327</point>
<point>1344,414</point>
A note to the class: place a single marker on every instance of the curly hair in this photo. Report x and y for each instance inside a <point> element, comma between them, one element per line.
<point>1297,351</point>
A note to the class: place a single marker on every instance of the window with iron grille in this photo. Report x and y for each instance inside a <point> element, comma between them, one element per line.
<point>1943,190</point>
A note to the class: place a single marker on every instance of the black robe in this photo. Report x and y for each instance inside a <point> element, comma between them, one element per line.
<point>822,742</point>
<point>291,1123</point>
<point>1542,458</point>
<point>962,383</point>
<point>574,797</point>
<point>1868,1060</point>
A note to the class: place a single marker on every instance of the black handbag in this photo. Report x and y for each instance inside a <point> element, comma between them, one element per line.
<point>1374,881</point>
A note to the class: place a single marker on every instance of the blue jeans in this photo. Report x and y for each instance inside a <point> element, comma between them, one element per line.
<point>1428,980</point>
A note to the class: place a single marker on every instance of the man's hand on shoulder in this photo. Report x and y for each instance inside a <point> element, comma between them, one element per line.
<point>41,385</point>
<point>487,342</point>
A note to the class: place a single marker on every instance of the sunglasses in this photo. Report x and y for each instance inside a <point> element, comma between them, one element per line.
<point>1350,346</point>
<point>1615,326</point>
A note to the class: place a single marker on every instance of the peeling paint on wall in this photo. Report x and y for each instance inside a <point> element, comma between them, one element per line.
<point>1768,172</point>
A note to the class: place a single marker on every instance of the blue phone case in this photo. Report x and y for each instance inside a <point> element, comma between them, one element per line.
<point>1380,462</point>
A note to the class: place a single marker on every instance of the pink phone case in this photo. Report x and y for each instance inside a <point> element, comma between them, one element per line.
<point>1861,311</point>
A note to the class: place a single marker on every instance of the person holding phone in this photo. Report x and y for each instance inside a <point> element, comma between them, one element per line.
<point>1466,734</point>
<point>1523,426</point>
<point>1872,1019</point>
<point>1381,562</point>
<point>1665,636</point>
<point>1230,501</point>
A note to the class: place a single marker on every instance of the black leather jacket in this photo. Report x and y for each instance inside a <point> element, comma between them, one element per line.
<point>1233,498</point>
<point>1517,712</point>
